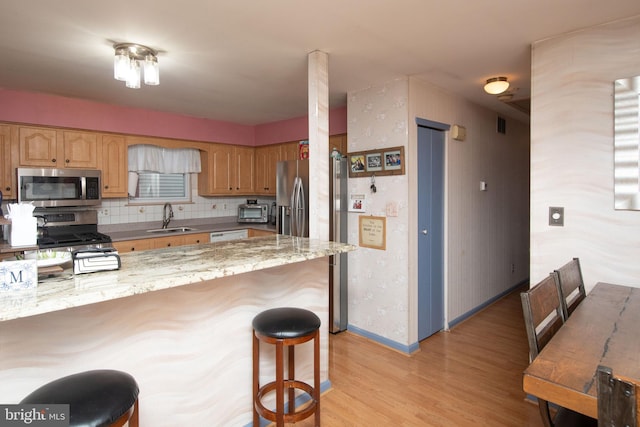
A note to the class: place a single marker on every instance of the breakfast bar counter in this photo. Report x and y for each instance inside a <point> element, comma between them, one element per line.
<point>149,271</point>
<point>177,319</point>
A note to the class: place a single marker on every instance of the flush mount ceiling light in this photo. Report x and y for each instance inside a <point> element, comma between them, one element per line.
<point>127,63</point>
<point>496,85</point>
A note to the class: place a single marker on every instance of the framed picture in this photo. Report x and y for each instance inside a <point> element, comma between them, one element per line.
<point>356,163</point>
<point>372,232</point>
<point>374,162</point>
<point>393,160</point>
<point>387,161</point>
<point>357,203</point>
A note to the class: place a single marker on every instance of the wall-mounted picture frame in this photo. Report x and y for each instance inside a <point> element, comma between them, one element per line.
<point>356,163</point>
<point>372,232</point>
<point>357,203</point>
<point>393,160</point>
<point>374,162</point>
<point>385,161</point>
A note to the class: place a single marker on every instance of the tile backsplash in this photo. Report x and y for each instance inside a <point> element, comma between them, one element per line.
<point>119,211</point>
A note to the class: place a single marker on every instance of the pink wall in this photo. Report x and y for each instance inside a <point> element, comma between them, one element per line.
<point>298,128</point>
<point>42,109</point>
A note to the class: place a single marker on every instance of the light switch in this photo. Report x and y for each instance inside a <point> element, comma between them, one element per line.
<point>556,216</point>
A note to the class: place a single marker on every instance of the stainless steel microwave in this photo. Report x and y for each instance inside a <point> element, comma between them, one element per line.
<point>257,212</point>
<point>48,187</point>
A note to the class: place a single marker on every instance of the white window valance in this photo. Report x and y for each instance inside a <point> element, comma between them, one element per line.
<point>150,158</point>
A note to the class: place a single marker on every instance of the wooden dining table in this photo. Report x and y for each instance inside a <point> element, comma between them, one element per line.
<point>603,330</point>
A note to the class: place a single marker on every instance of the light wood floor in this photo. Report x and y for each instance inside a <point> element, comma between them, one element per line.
<point>469,376</point>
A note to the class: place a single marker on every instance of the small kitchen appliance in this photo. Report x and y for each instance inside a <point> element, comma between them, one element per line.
<point>50,187</point>
<point>253,213</point>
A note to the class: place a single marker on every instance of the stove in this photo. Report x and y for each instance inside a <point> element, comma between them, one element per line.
<point>68,229</point>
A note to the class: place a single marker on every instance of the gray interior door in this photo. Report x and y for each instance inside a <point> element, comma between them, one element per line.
<point>431,138</point>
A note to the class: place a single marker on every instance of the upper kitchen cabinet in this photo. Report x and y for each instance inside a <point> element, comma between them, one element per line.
<point>290,151</point>
<point>339,142</point>
<point>113,163</point>
<point>267,158</point>
<point>45,147</point>
<point>7,175</point>
<point>227,170</point>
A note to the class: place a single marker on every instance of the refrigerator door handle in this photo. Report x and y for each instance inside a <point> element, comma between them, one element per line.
<point>301,209</point>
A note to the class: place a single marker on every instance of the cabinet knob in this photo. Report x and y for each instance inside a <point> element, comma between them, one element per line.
<point>106,187</point>
<point>53,160</point>
<point>66,161</point>
<point>7,189</point>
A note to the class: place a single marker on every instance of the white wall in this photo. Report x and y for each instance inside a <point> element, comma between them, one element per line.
<point>572,153</point>
<point>486,231</point>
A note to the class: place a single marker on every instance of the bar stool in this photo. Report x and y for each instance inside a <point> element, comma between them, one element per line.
<point>98,398</point>
<point>286,327</point>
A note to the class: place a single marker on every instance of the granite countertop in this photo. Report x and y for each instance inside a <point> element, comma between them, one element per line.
<point>149,271</point>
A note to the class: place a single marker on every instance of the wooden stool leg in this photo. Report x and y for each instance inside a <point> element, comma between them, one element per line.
<point>134,421</point>
<point>316,375</point>
<point>292,376</point>
<point>256,377</point>
<point>279,384</point>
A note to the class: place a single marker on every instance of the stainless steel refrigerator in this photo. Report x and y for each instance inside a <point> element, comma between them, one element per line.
<point>338,268</point>
<point>292,197</point>
<point>292,218</point>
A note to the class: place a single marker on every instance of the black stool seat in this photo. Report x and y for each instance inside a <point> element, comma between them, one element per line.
<point>286,322</point>
<point>96,398</point>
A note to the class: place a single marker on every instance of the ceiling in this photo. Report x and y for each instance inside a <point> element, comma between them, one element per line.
<point>245,61</point>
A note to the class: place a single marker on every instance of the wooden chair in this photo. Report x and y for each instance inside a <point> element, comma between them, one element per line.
<point>617,400</point>
<point>543,317</point>
<point>571,286</point>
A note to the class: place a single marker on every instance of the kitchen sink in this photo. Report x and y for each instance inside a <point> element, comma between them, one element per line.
<point>171,230</point>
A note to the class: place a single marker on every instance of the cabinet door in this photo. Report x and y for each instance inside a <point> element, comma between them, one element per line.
<point>244,170</point>
<point>132,245</point>
<point>339,142</point>
<point>166,242</point>
<point>113,164</point>
<point>196,239</point>
<point>80,150</point>
<point>216,176</point>
<point>7,172</point>
<point>290,151</point>
<point>38,147</point>
<point>267,158</point>
<point>253,232</point>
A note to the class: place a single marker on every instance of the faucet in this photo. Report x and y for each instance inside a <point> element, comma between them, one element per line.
<point>166,217</point>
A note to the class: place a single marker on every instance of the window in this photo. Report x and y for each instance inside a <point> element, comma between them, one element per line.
<point>162,187</point>
<point>160,175</point>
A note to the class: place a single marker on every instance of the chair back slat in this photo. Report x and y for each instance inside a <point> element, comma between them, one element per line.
<point>571,285</point>
<point>617,400</point>
<point>542,314</point>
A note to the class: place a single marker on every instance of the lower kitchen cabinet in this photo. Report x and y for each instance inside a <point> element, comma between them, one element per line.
<point>125,246</point>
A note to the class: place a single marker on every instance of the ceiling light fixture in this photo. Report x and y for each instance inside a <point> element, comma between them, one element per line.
<point>127,63</point>
<point>496,85</point>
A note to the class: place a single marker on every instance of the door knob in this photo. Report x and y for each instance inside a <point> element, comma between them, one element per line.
<point>424,231</point>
